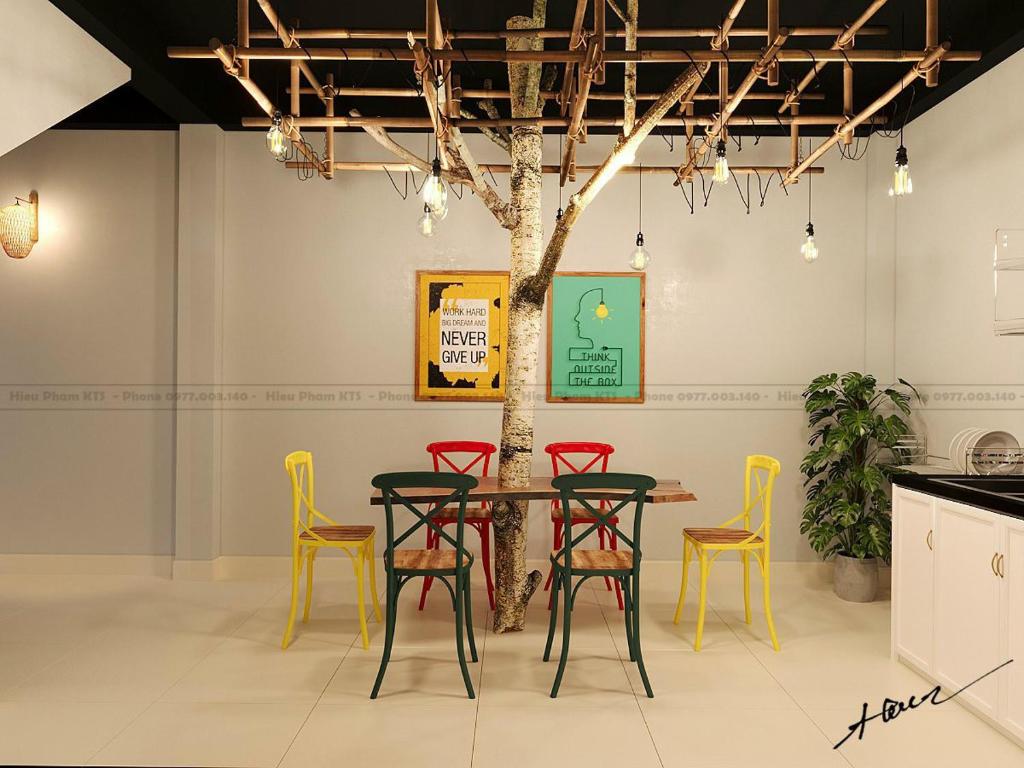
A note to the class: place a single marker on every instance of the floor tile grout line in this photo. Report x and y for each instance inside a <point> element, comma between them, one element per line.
<point>178,679</point>
<point>316,703</point>
<point>488,614</point>
<point>636,695</point>
<point>778,682</point>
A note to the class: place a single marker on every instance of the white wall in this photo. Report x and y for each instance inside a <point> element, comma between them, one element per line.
<point>319,291</point>
<point>965,155</point>
<point>92,305</point>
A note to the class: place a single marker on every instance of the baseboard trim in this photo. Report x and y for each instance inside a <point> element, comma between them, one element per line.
<point>89,565</point>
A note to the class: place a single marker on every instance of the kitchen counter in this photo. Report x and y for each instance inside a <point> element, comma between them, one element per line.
<point>938,485</point>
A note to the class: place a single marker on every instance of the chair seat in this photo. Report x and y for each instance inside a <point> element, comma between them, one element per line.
<point>579,515</point>
<point>338,533</point>
<point>451,514</point>
<point>427,560</point>
<point>726,536</point>
<point>596,559</point>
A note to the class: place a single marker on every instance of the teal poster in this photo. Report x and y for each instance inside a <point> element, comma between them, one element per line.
<point>596,338</point>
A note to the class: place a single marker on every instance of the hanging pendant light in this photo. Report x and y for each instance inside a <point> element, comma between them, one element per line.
<point>19,226</point>
<point>435,194</point>
<point>640,257</point>
<point>809,250</point>
<point>277,144</point>
<point>902,184</point>
<point>721,173</point>
<point>426,222</point>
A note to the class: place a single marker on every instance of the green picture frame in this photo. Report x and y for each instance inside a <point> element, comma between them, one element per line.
<point>595,337</point>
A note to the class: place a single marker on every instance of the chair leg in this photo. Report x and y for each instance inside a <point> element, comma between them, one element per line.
<point>460,599</point>
<point>601,545</point>
<point>637,651</point>
<point>310,557</point>
<point>372,561</point>
<point>704,568</point>
<point>557,542</point>
<point>359,567</point>
<point>485,556</point>
<point>553,607</point>
<point>566,626</point>
<point>433,542</point>
<point>618,587</point>
<point>746,586</point>
<point>768,604</point>
<point>627,616</point>
<point>469,621</point>
<point>391,615</point>
<point>296,572</point>
<point>682,585</point>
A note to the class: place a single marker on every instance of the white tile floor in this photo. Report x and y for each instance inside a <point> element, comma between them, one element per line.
<point>137,671</point>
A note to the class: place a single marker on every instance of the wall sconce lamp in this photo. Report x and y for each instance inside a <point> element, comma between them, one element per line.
<point>19,226</point>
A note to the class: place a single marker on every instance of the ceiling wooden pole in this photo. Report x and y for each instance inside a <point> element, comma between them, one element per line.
<point>884,56</point>
<point>344,33</point>
<point>773,30</point>
<point>843,41</point>
<point>498,93</point>
<point>931,37</point>
<point>575,42</point>
<point>289,41</point>
<point>658,170</point>
<point>916,71</point>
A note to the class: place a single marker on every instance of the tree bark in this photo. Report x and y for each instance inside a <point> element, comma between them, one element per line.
<point>514,586</point>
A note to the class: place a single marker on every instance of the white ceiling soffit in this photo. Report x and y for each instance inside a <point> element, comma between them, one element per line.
<point>49,69</point>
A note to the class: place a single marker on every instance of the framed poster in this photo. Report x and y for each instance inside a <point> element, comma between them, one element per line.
<point>461,323</point>
<point>596,338</point>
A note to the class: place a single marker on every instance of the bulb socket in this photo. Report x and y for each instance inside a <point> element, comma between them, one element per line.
<point>810,229</point>
<point>435,168</point>
<point>639,239</point>
<point>720,148</point>
<point>901,156</point>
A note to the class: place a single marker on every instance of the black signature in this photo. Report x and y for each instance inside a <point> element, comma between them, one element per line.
<point>893,708</point>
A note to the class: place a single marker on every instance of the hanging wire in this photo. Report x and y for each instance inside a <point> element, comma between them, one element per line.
<point>559,212</point>
<point>640,211</point>
<point>404,194</point>
<point>810,178</point>
<point>688,198</point>
<point>746,201</point>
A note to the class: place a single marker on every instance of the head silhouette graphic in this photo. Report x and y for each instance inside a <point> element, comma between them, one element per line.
<point>590,317</point>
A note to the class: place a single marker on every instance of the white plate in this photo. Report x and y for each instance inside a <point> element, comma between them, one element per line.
<point>960,456</point>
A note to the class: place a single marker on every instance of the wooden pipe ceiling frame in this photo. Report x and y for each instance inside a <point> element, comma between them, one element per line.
<point>434,61</point>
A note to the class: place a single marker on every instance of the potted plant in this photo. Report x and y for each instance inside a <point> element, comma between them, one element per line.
<point>856,427</point>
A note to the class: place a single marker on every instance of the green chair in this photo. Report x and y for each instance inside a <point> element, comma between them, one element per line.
<point>402,565</point>
<point>623,565</point>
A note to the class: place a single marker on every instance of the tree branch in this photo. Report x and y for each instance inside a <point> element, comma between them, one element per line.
<point>494,134</point>
<point>629,89</point>
<point>502,211</point>
<point>625,149</point>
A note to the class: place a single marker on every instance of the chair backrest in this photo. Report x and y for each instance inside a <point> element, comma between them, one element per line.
<point>462,456</point>
<point>442,488</point>
<point>758,483</point>
<point>624,489</point>
<point>299,465</point>
<point>577,458</point>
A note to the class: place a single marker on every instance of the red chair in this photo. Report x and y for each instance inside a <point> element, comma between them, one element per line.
<point>478,455</point>
<point>579,458</point>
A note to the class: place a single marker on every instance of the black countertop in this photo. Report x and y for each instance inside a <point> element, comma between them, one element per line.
<point>933,485</point>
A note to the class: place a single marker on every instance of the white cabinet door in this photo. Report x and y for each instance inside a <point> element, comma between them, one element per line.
<point>967,594</point>
<point>1011,678</point>
<point>913,580</point>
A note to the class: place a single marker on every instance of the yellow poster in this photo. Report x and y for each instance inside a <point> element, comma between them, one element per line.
<point>461,323</point>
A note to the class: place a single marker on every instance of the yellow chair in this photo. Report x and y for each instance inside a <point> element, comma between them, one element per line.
<point>356,541</point>
<point>709,543</point>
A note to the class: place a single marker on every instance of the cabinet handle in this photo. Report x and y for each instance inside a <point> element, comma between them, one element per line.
<point>999,567</point>
<point>928,540</point>
<point>992,564</point>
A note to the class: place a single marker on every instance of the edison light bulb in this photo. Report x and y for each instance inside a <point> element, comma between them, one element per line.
<point>276,143</point>
<point>435,195</point>
<point>640,257</point>
<point>426,223</point>
<point>809,249</point>
<point>721,174</point>
<point>902,184</point>
<point>441,213</point>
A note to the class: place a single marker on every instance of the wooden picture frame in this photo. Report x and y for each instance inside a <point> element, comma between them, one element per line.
<point>448,363</point>
<point>622,376</point>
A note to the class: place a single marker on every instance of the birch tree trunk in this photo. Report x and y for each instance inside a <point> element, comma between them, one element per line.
<point>513,584</point>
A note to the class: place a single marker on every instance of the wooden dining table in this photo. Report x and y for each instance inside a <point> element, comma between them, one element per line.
<point>540,489</point>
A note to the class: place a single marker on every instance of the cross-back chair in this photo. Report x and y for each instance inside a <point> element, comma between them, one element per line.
<point>401,490</point>
<point>709,543</point>
<point>312,531</point>
<point>617,491</point>
<point>464,457</point>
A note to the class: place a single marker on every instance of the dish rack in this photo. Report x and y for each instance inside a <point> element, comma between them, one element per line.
<point>994,461</point>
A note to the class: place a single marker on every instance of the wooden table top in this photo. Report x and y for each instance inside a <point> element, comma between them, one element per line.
<point>540,489</point>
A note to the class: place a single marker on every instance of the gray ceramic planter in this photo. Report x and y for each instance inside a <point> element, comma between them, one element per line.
<point>855,580</point>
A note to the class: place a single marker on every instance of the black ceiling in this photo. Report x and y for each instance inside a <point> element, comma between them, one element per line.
<point>164,93</point>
